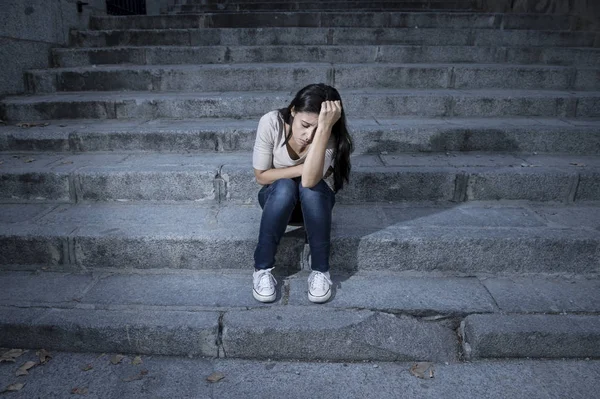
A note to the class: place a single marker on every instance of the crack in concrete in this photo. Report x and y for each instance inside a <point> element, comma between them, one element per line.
<point>221,353</point>
<point>286,292</point>
<point>451,78</point>
<point>74,188</point>
<point>491,296</point>
<point>461,187</point>
<point>220,185</point>
<point>463,346</point>
<point>573,188</point>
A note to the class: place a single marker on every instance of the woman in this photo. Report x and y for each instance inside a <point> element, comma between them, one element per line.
<point>302,158</point>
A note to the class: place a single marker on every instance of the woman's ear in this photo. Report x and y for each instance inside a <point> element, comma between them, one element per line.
<point>293,111</point>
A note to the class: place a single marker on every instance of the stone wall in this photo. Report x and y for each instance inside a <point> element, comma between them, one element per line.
<point>30,28</point>
<point>156,7</point>
<point>587,9</point>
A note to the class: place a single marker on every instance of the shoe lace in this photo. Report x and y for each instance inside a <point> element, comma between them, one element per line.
<point>319,280</point>
<point>266,279</point>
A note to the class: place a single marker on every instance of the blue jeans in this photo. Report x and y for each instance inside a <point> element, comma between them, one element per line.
<point>278,201</point>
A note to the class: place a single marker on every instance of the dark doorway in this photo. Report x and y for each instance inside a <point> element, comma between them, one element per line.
<point>126,7</point>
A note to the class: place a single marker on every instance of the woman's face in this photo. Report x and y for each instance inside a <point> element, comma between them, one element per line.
<point>304,127</point>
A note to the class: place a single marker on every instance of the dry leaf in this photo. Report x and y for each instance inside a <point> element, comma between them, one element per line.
<point>137,360</point>
<point>44,356</point>
<point>116,359</point>
<point>14,387</point>
<point>422,370</point>
<point>215,377</point>
<point>11,355</point>
<point>136,377</point>
<point>79,391</point>
<point>87,367</point>
<point>23,369</point>
<point>29,160</point>
<point>576,164</point>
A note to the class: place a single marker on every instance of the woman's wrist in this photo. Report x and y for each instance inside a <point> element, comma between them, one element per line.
<point>324,130</point>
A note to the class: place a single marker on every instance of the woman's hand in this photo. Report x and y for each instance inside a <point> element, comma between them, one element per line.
<point>331,111</point>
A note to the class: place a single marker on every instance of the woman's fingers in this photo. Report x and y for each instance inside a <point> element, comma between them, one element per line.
<point>331,111</point>
<point>337,104</point>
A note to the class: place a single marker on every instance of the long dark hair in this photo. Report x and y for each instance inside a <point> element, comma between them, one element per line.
<point>309,99</point>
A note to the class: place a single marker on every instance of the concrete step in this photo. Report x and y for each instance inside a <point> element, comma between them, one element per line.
<point>456,20</point>
<point>228,177</point>
<point>153,55</point>
<point>198,7</point>
<point>333,36</point>
<point>213,314</point>
<point>180,376</point>
<point>364,103</point>
<point>273,77</point>
<point>459,238</point>
<point>370,136</point>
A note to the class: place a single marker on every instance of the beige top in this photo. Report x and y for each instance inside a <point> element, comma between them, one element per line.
<point>270,151</point>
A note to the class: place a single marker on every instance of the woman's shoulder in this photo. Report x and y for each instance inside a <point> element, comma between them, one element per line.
<point>270,124</point>
<point>271,116</point>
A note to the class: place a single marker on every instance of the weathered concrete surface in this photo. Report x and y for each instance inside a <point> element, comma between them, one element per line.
<point>17,57</point>
<point>466,238</point>
<point>430,295</point>
<point>498,379</point>
<point>28,31</point>
<point>375,316</point>
<point>271,77</point>
<point>389,19</point>
<point>139,331</point>
<point>50,288</point>
<point>364,103</point>
<point>588,11</point>
<point>226,177</point>
<point>538,336</point>
<point>552,294</point>
<point>524,135</point>
<point>331,36</point>
<point>209,289</point>
<point>392,292</point>
<point>154,55</point>
<point>338,335</point>
<point>559,216</point>
<point>180,377</point>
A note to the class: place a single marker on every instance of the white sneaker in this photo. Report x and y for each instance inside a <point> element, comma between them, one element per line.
<point>319,287</point>
<point>264,285</point>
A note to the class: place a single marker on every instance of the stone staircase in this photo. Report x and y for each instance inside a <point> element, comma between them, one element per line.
<point>201,6</point>
<point>470,229</point>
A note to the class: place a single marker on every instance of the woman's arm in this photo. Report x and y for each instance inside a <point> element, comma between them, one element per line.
<point>265,177</point>
<point>313,165</point>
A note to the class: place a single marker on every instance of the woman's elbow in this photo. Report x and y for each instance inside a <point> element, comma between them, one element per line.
<point>260,179</point>
<point>309,183</point>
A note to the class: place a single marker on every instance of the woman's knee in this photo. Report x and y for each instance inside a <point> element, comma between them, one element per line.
<point>285,190</point>
<point>318,190</point>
